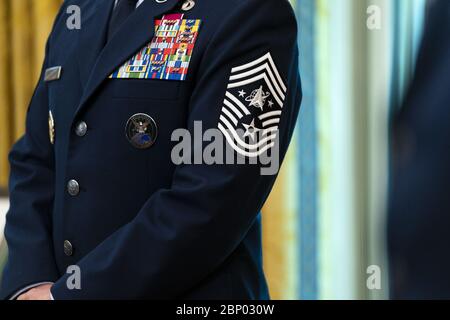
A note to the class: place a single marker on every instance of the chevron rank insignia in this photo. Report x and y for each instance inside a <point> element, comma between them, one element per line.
<point>252,107</point>
<point>168,55</point>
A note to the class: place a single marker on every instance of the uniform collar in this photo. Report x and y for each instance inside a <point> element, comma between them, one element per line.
<point>137,4</point>
<point>98,61</point>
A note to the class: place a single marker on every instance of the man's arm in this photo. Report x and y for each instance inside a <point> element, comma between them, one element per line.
<point>183,234</point>
<point>31,187</point>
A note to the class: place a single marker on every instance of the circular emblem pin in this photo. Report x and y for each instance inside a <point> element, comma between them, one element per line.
<point>141,131</point>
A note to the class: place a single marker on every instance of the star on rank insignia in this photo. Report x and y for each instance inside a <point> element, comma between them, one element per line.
<point>51,127</point>
<point>252,107</point>
<point>250,130</point>
<point>168,55</point>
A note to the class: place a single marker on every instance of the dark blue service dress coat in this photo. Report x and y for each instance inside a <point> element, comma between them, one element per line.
<point>93,181</point>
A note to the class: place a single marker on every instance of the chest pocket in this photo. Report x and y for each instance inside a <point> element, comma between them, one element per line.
<point>150,89</point>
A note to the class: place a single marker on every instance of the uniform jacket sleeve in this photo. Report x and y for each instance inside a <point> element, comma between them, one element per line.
<point>182,234</point>
<point>31,187</point>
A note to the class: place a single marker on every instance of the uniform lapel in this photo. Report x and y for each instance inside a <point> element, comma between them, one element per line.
<point>93,36</point>
<point>136,32</point>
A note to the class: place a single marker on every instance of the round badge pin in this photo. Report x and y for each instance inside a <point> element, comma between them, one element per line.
<point>141,131</point>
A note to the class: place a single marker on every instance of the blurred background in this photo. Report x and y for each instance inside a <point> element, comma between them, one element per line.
<point>324,223</point>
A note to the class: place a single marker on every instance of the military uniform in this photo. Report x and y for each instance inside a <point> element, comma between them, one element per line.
<point>93,183</point>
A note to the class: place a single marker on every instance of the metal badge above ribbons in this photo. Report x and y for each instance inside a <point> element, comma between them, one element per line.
<point>52,74</point>
<point>168,55</point>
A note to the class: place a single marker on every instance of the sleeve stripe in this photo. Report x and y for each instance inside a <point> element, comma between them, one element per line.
<point>239,150</point>
<point>237,102</point>
<point>259,70</point>
<point>268,57</point>
<point>242,143</point>
<point>230,116</point>
<point>271,114</point>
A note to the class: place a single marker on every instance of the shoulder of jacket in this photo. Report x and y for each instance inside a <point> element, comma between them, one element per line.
<point>224,10</point>
<point>80,3</point>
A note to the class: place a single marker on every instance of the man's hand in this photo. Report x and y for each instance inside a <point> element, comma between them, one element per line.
<point>41,292</point>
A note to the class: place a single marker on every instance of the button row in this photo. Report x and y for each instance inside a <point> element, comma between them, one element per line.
<point>73,187</point>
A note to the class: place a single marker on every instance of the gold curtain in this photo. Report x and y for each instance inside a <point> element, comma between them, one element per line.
<point>24,28</point>
<point>280,234</point>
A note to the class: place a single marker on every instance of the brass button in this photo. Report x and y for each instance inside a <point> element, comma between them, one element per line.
<point>73,188</point>
<point>68,248</point>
